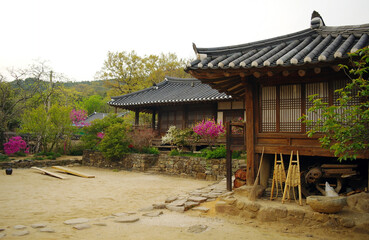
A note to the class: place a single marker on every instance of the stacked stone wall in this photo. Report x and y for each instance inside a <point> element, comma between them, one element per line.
<point>194,167</point>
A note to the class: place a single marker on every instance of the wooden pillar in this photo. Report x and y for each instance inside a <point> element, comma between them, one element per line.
<point>137,118</point>
<point>115,110</point>
<point>153,119</point>
<point>228,157</point>
<point>250,133</point>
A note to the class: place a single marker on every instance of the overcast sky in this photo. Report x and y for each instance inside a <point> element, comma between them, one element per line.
<point>74,36</point>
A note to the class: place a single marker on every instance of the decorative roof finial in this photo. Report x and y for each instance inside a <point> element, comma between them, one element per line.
<point>316,20</point>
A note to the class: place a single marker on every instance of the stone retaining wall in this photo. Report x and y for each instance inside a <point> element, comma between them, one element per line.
<point>195,167</point>
<point>38,163</point>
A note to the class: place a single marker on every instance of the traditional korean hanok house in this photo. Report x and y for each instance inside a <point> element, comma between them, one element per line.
<point>180,102</point>
<point>275,77</point>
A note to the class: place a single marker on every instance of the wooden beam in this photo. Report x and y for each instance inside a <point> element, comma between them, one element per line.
<point>301,72</point>
<point>270,74</point>
<point>257,74</point>
<point>242,74</point>
<point>250,134</point>
<point>227,74</point>
<point>317,70</point>
<point>285,73</point>
<point>336,68</point>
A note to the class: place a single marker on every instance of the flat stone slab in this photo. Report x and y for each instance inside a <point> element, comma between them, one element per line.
<point>120,214</point>
<point>190,204</point>
<point>159,205</point>
<point>146,209</point>
<point>175,208</point>
<point>38,225</point>
<point>171,199</point>
<point>21,233</point>
<point>179,202</point>
<point>127,219</point>
<point>197,199</point>
<point>197,228</point>
<point>82,226</point>
<point>47,230</point>
<point>100,224</point>
<point>76,221</point>
<point>201,209</point>
<point>153,214</point>
<point>2,235</point>
<point>20,227</point>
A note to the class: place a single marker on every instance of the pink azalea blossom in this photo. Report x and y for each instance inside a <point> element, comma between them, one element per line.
<point>209,130</point>
<point>15,144</point>
<point>78,118</point>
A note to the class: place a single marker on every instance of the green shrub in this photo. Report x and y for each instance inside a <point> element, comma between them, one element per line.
<point>150,150</point>
<point>77,150</point>
<point>90,137</point>
<point>115,142</point>
<point>174,152</point>
<point>4,157</point>
<point>219,152</point>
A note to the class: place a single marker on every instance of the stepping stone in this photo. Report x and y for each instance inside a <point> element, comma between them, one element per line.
<point>2,235</point>
<point>120,214</point>
<point>38,225</point>
<point>21,233</point>
<point>171,199</point>
<point>159,205</point>
<point>47,230</point>
<point>197,228</point>
<point>211,199</point>
<point>176,208</point>
<point>190,204</point>
<point>147,209</point>
<point>100,224</point>
<point>20,227</point>
<point>178,203</point>
<point>153,214</point>
<point>197,199</point>
<point>201,209</point>
<point>82,226</point>
<point>127,219</point>
<point>76,221</point>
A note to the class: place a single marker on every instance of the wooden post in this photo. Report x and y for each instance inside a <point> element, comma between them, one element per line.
<point>229,157</point>
<point>115,110</point>
<point>153,119</point>
<point>137,118</point>
<point>250,134</point>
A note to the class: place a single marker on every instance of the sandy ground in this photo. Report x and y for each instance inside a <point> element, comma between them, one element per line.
<point>28,197</point>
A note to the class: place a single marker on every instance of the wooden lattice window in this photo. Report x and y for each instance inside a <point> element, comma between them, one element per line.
<point>268,109</point>
<point>283,105</point>
<point>321,91</point>
<point>290,108</point>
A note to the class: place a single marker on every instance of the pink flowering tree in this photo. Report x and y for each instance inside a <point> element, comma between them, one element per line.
<point>209,130</point>
<point>15,145</point>
<point>78,118</point>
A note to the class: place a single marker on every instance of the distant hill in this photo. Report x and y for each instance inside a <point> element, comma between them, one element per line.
<point>87,87</point>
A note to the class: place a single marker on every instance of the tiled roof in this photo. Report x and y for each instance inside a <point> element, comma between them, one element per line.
<point>171,90</point>
<point>97,115</point>
<point>314,45</point>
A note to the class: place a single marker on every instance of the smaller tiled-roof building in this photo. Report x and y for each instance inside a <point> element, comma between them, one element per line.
<point>180,102</point>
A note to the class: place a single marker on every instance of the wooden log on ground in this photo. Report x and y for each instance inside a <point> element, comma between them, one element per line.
<point>49,173</point>
<point>73,172</point>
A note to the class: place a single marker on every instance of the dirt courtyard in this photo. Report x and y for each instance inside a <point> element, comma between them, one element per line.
<point>28,197</point>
